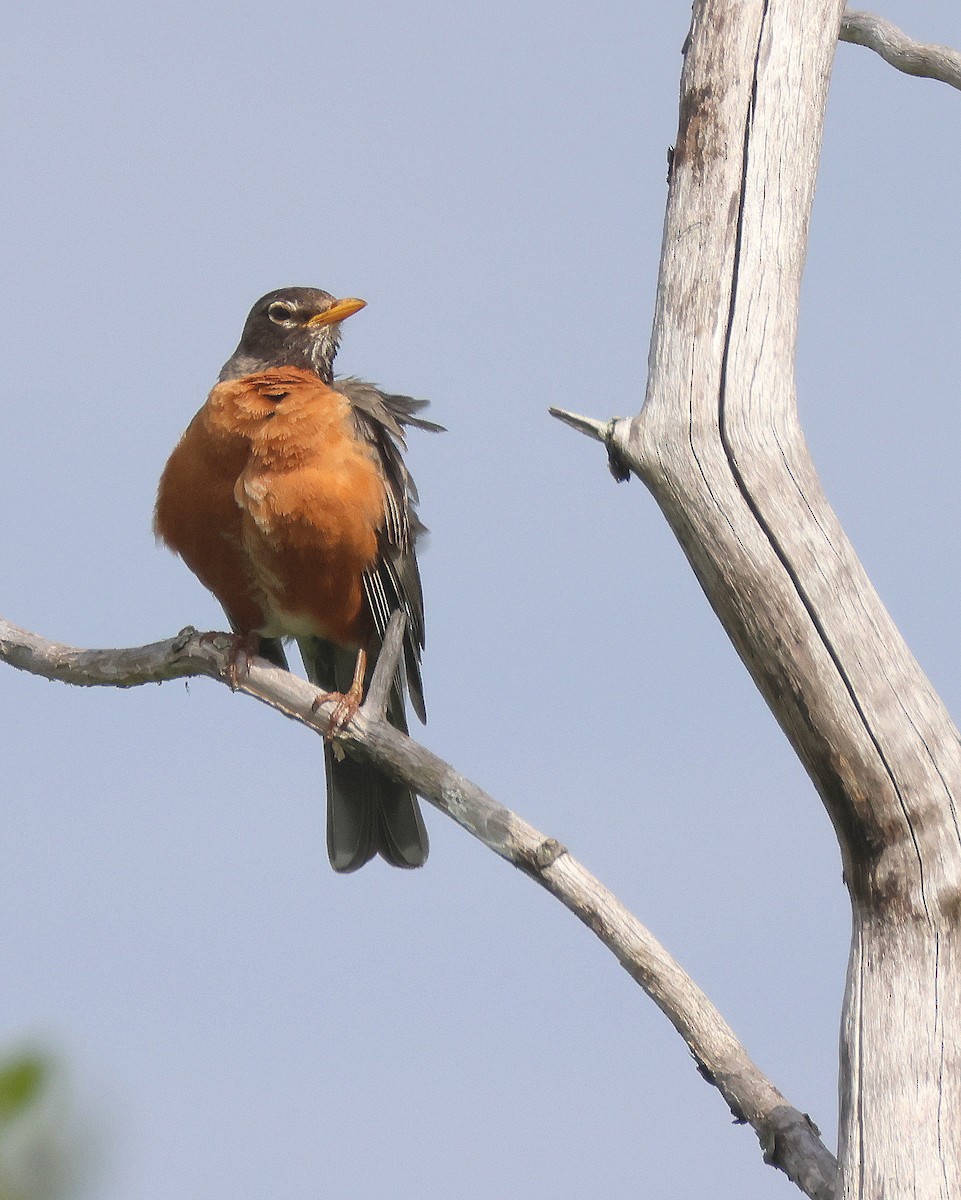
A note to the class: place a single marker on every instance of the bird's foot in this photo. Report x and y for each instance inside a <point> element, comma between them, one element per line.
<point>241,649</point>
<point>345,707</point>
<point>347,703</point>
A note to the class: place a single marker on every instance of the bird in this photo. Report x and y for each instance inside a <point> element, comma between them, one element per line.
<point>289,498</point>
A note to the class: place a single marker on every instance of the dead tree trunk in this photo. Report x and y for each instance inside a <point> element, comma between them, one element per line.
<point>719,445</point>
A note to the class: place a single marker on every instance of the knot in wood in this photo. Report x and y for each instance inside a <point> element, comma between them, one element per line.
<point>548,852</point>
<point>182,640</point>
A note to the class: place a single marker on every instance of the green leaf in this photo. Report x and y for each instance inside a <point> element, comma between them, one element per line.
<point>21,1081</point>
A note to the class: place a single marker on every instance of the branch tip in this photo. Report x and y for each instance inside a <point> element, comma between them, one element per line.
<point>600,431</point>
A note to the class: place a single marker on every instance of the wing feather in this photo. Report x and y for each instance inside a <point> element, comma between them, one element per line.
<point>394,581</point>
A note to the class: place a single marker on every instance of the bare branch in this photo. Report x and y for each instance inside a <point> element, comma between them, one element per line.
<point>788,1138</point>
<point>612,433</point>
<point>901,51</point>
<point>386,666</point>
<point>598,430</point>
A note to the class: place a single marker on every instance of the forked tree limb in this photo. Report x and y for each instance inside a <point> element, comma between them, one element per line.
<point>719,445</point>
<point>901,51</point>
<point>788,1138</point>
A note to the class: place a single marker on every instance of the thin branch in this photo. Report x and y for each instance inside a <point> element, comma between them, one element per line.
<point>386,666</point>
<point>598,430</point>
<point>901,51</point>
<point>788,1138</point>
<point>602,431</point>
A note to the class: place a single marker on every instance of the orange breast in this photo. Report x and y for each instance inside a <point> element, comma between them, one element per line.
<point>312,497</point>
<point>198,518</point>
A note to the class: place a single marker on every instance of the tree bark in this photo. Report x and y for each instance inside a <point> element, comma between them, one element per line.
<point>719,445</point>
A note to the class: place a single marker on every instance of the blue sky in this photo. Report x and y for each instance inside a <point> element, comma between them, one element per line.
<point>236,1020</point>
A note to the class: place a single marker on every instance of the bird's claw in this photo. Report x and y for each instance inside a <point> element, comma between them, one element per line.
<point>346,705</point>
<point>241,649</point>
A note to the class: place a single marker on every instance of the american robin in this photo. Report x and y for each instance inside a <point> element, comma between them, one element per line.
<point>288,497</point>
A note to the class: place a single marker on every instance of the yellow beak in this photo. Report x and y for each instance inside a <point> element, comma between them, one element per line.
<point>338,311</point>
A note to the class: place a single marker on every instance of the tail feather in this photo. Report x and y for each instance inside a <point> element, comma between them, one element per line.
<point>368,813</point>
<point>351,812</point>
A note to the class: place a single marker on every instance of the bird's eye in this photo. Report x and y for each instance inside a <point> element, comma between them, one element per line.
<point>280,314</point>
<point>275,394</point>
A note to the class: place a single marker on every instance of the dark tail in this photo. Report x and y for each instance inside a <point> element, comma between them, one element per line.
<point>368,813</point>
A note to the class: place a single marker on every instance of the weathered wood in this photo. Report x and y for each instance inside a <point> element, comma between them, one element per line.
<point>788,1137</point>
<point>719,445</point>
<point>895,47</point>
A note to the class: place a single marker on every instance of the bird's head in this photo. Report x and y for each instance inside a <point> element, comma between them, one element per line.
<point>291,327</point>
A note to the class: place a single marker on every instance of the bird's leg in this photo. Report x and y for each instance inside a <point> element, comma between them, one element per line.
<point>347,702</point>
